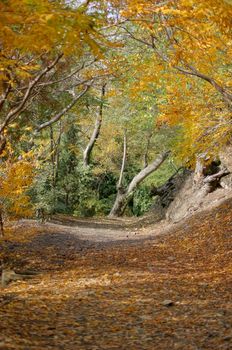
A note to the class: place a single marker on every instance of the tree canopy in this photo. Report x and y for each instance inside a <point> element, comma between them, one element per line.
<point>95,91</point>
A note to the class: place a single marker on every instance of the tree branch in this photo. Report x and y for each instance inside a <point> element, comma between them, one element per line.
<point>147,171</point>
<point>75,71</point>
<point>63,111</point>
<point>216,177</point>
<point>192,71</point>
<point>30,88</point>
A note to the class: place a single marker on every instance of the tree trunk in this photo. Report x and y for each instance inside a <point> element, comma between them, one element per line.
<point>120,204</point>
<point>52,151</point>
<point>1,224</point>
<point>55,150</point>
<point>95,134</point>
<point>2,143</point>
<point>145,157</point>
<point>123,196</point>
<point>119,185</point>
<point>120,200</point>
<point>198,173</point>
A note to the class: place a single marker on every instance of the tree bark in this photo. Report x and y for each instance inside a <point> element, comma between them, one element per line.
<point>95,134</point>
<point>198,173</point>
<point>52,151</point>
<point>1,224</point>
<point>123,196</point>
<point>120,203</point>
<point>57,153</point>
<point>120,198</point>
<point>119,185</point>
<point>145,157</point>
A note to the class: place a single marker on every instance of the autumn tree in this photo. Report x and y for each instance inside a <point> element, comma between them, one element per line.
<point>50,57</point>
<point>40,41</point>
<point>191,42</point>
<point>130,143</point>
<point>148,77</point>
<point>97,128</point>
<point>16,178</point>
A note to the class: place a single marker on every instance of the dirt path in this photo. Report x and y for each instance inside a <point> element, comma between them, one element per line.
<point>89,231</point>
<point>104,288</point>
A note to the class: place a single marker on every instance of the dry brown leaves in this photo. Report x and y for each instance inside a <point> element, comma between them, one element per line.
<point>171,292</point>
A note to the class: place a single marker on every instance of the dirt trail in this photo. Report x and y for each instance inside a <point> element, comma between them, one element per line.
<point>107,288</point>
<point>103,230</point>
<point>93,232</point>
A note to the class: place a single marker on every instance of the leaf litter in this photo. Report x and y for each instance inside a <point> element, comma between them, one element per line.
<point>166,291</point>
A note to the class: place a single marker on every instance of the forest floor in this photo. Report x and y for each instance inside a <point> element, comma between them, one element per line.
<point>105,285</point>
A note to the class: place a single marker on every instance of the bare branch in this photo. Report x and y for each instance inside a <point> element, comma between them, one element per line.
<point>27,95</point>
<point>63,111</point>
<point>75,71</point>
<point>136,38</point>
<point>216,177</point>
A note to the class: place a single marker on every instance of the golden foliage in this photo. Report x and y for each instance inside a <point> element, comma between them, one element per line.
<point>35,28</point>
<point>16,177</point>
<point>192,43</point>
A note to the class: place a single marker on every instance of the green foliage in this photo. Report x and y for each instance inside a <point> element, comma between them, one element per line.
<point>166,170</point>
<point>166,88</point>
<point>77,190</point>
<point>142,200</point>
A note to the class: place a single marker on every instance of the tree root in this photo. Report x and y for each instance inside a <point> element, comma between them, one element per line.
<point>9,275</point>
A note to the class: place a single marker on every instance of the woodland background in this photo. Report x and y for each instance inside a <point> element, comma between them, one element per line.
<point>93,93</point>
<point>116,125</point>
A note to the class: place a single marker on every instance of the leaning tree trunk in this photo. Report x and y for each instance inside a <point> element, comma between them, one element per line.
<point>124,196</point>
